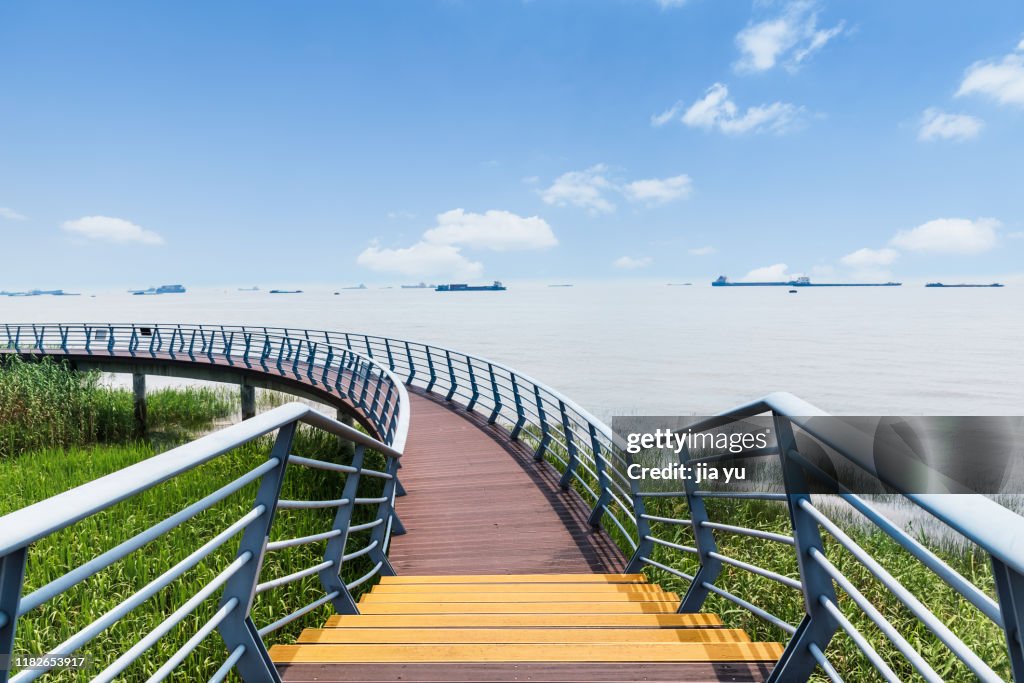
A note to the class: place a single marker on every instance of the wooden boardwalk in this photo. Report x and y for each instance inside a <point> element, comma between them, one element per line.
<point>500,578</point>
<point>478,503</point>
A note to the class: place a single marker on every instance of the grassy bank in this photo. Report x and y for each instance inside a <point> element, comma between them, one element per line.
<point>965,620</point>
<point>47,405</point>
<point>92,444</point>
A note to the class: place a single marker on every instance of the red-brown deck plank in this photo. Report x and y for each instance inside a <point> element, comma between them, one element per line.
<point>478,503</point>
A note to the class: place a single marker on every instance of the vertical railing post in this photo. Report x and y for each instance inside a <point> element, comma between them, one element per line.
<point>474,389</point>
<point>545,430</point>
<point>495,393</point>
<point>604,490</point>
<point>818,625</point>
<point>430,369</point>
<point>453,383</point>
<point>1010,593</point>
<point>570,447</point>
<point>385,511</point>
<point>330,578</point>
<point>703,540</point>
<point>644,544</point>
<point>12,576</point>
<point>412,365</point>
<point>520,410</point>
<point>238,628</point>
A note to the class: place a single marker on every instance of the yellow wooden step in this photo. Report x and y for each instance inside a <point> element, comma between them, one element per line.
<point>518,607</point>
<point>627,652</point>
<point>589,587</point>
<point>510,621</point>
<point>518,578</point>
<point>610,636</point>
<point>442,596</point>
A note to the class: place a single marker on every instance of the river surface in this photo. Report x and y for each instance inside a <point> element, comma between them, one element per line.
<point>644,348</point>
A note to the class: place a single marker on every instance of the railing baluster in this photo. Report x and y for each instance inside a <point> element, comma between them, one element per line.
<point>570,445</point>
<point>818,624</point>
<point>520,410</point>
<point>644,544</point>
<point>12,576</point>
<point>704,541</point>
<point>430,369</point>
<point>412,365</point>
<point>604,490</point>
<point>385,511</point>
<point>452,382</point>
<point>495,393</point>
<point>330,578</point>
<point>474,390</point>
<point>238,628</point>
<point>545,430</point>
<point>1010,592</point>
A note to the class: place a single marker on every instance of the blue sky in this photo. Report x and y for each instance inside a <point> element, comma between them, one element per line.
<point>339,142</point>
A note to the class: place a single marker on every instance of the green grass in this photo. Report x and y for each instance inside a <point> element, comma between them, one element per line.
<point>47,405</point>
<point>40,472</point>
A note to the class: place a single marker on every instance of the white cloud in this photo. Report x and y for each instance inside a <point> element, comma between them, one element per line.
<point>716,110</point>
<point>937,124</point>
<point>439,251</point>
<point>702,251</point>
<point>11,214</point>
<point>495,230</point>
<point>778,272</point>
<point>402,215</point>
<point>789,38</point>
<point>667,115</point>
<point>659,190</point>
<point>632,263</point>
<point>1000,79</point>
<point>422,259</point>
<point>108,229</point>
<point>950,236</point>
<point>590,189</point>
<point>584,189</point>
<point>669,4</point>
<point>870,258</point>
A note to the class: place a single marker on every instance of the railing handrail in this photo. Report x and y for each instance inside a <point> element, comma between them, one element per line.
<point>401,430</point>
<point>551,391</point>
<point>27,525</point>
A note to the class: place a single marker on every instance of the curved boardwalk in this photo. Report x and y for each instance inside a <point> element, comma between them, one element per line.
<point>500,579</point>
<point>478,503</point>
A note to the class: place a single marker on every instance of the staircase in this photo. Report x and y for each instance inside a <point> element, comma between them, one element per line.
<point>537,627</point>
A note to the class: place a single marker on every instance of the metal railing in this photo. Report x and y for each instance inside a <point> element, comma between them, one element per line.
<point>591,462</point>
<point>369,387</point>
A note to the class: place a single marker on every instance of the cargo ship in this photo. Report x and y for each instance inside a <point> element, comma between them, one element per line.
<point>460,287</point>
<point>162,289</point>
<point>41,292</point>
<point>286,291</point>
<point>939,284</point>
<point>722,281</point>
<point>422,285</point>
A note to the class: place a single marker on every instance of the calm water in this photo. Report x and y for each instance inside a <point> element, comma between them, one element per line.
<point>652,349</point>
